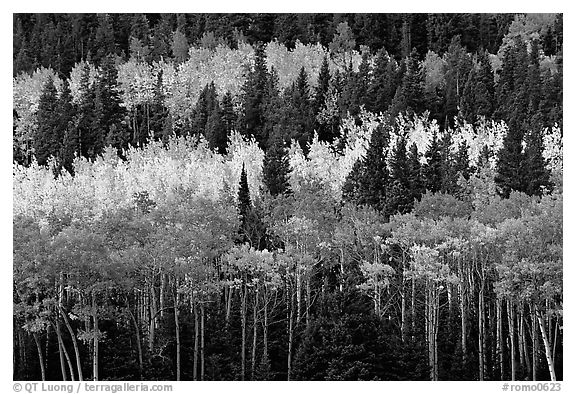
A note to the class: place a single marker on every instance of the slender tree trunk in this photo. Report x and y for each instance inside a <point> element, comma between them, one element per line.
<point>413,308</point>
<point>202,314</point>
<point>40,355</point>
<point>499,337</point>
<point>265,329</point>
<point>511,336</point>
<point>74,343</point>
<point>481,340</point>
<point>61,352</point>
<point>243,318</point>
<point>254,335</point>
<point>290,335</point>
<point>138,345</point>
<point>196,340</point>
<point>96,334</point>
<point>229,304</point>
<point>463,328</point>
<point>546,345</point>
<point>403,306</point>
<point>177,329</point>
<point>534,344</point>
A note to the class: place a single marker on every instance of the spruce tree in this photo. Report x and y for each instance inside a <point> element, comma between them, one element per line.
<point>535,174</point>
<point>276,168</point>
<point>399,198</point>
<point>48,139</point>
<point>244,202</point>
<point>367,182</point>
<point>253,97</point>
<point>433,168</point>
<point>410,94</point>
<point>509,168</point>
<point>416,182</point>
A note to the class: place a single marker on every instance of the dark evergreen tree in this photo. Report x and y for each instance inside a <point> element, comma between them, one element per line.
<point>216,130</point>
<point>253,98</point>
<point>399,198</point>
<point>416,182</point>
<point>509,167</point>
<point>48,138</point>
<point>432,170</point>
<point>104,44</point>
<point>367,182</point>
<point>384,83</point>
<point>159,112</point>
<point>535,175</point>
<point>276,168</point>
<point>410,94</point>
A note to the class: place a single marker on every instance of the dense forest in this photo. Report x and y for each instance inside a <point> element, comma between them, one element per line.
<point>287,196</point>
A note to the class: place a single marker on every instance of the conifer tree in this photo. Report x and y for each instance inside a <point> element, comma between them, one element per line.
<point>410,94</point>
<point>509,168</point>
<point>383,85</point>
<point>399,198</point>
<point>433,168</point>
<point>276,168</point>
<point>367,182</point>
<point>415,173</point>
<point>253,97</point>
<point>535,174</point>
<point>48,138</point>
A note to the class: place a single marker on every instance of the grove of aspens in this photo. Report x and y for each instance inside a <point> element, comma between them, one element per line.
<point>287,197</point>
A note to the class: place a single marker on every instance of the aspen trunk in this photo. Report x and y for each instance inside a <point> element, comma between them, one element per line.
<point>177,329</point>
<point>243,318</point>
<point>512,344</point>
<point>74,343</point>
<point>403,308</point>
<point>254,334</point>
<point>229,304</point>
<point>481,339</point>
<point>412,308</point>
<point>202,314</point>
<point>196,338</point>
<point>534,344</point>
<point>40,355</point>
<point>265,330</point>
<point>546,345</point>
<point>138,344</point>
<point>499,337</point>
<point>96,334</point>
<point>61,352</point>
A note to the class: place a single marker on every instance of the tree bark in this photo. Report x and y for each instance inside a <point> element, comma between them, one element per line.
<point>74,343</point>
<point>546,345</point>
<point>499,337</point>
<point>138,345</point>
<point>512,344</point>
<point>177,329</point>
<point>202,314</point>
<point>96,334</point>
<point>40,356</point>
<point>196,338</point>
<point>255,334</point>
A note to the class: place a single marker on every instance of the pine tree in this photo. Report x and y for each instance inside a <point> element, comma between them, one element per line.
<point>158,111</point>
<point>216,130</point>
<point>254,91</point>
<point>301,104</point>
<point>509,168</point>
<point>244,201</point>
<point>432,170</point>
<point>367,182</point>
<point>415,173</point>
<point>410,94</point>
<point>276,168</point>
<point>399,198</point>
<point>48,139</point>
<point>383,85</point>
<point>536,176</point>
